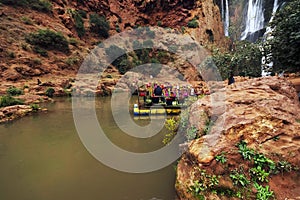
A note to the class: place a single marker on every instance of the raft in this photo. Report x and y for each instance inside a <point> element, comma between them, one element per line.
<point>156,110</point>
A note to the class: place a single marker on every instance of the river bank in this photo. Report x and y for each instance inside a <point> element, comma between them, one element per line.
<point>40,90</point>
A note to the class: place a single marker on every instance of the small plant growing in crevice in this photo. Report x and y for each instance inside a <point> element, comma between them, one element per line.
<point>239,179</point>
<point>191,133</point>
<point>259,174</point>
<point>35,107</point>
<point>246,152</point>
<point>193,23</point>
<point>221,158</point>
<point>263,193</point>
<point>205,183</point>
<point>208,125</point>
<point>284,166</point>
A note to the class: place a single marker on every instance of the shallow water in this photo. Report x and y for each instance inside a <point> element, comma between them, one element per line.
<point>42,157</point>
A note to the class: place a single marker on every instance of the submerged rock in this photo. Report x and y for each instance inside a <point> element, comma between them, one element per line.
<point>264,114</point>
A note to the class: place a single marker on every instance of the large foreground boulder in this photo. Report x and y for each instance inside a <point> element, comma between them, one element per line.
<point>252,150</point>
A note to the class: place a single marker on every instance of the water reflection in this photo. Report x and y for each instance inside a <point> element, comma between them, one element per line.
<point>42,157</point>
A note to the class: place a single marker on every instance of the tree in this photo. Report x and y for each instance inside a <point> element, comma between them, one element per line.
<point>244,60</point>
<point>285,38</point>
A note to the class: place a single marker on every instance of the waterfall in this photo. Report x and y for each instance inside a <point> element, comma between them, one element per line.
<point>268,28</point>
<point>225,16</point>
<point>226,24</point>
<point>267,36</point>
<point>254,19</point>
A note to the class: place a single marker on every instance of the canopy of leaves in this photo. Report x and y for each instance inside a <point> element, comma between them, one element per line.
<point>244,60</point>
<point>285,42</point>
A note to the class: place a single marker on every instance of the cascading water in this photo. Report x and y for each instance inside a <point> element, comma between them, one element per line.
<point>267,66</point>
<point>225,16</point>
<point>268,28</point>
<point>254,19</point>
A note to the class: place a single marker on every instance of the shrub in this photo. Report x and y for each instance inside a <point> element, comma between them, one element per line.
<point>35,107</point>
<point>82,13</point>
<point>40,51</point>
<point>13,91</point>
<point>48,39</point>
<point>193,23</point>
<point>8,100</point>
<point>49,92</point>
<point>99,25</point>
<point>73,42</point>
<point>39,5</point>
<point>72,61</point>
<point>79,25</point>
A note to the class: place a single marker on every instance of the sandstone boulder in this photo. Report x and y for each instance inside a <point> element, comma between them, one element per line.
<point>264,115</point>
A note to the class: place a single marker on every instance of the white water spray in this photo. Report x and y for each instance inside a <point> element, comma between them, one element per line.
<point>255,18</point>
<point>225,16</point>
<point>267,66</point>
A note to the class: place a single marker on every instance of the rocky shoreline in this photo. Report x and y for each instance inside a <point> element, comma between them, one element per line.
<point>252,147</point>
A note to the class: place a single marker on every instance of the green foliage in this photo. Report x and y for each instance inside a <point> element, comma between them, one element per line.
<point>285,41</point>
<point>26,20</point>
<point>171,125</point>
<point>262,161</point>
<point>13,91</point>
<point>183,29</point>
<point>207,128</point>
<point>193,23</point>
<point>72,61</point>
<point>246,152</point>
<point>8,100</point>
<point>191,133</point>
<point>40,51</point>
<point>206,182</point>
<point>259,174</point>
<point>48,39</point>
<point>221,158</point>
<point>35,107</point>
<point>50,92</point>
<point>99,25</point>
<point>244,60</point>
<point>284,166</point>
<point>79,24</point>
<point>263,193</point>
<point>39,5</point>
<point>82,13</point>
<point>73,42</point>
<point>239,178</point>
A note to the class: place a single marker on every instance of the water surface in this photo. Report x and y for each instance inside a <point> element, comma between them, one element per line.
<point>42,158</point>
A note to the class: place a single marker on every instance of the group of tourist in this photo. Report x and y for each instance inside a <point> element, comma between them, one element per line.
<point>168,93</point>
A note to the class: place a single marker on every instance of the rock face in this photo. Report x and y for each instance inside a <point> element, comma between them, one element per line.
<point>264,114</point>
<point>22,61</point>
